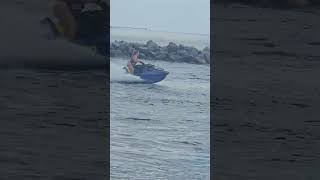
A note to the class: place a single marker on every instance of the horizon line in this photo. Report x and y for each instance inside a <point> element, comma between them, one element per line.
<point>147,29</point>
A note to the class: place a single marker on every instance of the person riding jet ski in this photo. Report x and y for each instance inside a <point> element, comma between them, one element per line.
<point>79,19</point>
<point>83,22</point>
<point>133,61</point>
<point>148,73</point>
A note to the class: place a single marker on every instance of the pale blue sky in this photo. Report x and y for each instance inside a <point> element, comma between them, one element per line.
<point>190,16</point>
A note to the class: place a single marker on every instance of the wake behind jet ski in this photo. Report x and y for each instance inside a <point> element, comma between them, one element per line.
<point>147,72</point>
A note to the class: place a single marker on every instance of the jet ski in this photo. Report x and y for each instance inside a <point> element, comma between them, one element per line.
<point>149,73</point>
<point>96,43</point>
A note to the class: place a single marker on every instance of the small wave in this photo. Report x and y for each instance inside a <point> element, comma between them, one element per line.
<point>139,119</point>
<point>118,74</point>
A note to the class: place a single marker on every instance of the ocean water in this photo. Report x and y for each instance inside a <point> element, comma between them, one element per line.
<point>52,117</point>
<point>160,131</point>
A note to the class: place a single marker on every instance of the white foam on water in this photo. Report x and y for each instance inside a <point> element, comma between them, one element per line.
<point>118,74</point>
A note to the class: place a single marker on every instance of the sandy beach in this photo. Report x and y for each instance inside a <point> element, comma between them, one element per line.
<point>265,93</point>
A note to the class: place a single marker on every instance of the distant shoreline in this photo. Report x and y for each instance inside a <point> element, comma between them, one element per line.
<point>147,29</point>
<point>127,27</point>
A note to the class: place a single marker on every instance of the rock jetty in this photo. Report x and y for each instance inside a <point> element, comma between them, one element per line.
<point>151,50</point>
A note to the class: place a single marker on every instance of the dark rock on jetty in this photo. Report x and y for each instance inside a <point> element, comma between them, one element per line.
<point>151,50</point>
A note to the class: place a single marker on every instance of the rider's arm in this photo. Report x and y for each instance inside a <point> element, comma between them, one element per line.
<point>130,68</point>
<point>140,61</point>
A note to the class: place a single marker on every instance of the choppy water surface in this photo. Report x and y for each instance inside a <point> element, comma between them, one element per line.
<point>54,117</point>
<point>160,131</point>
